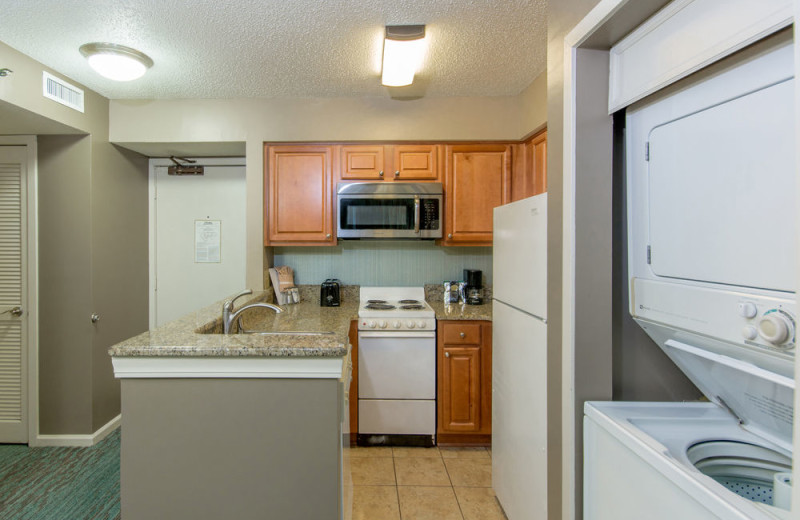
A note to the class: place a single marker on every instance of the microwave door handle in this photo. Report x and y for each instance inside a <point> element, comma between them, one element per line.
<point>416,214</point>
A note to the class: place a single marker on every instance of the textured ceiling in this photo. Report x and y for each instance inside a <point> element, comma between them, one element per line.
<point>284,48</point>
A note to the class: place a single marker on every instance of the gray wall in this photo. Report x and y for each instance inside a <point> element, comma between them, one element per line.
<point>65,332</point>
<point>389,263</point>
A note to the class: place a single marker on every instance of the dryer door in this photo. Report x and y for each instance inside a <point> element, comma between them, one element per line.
<point>722,193</point>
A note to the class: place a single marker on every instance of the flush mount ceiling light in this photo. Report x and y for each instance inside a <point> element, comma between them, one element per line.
<point>116,62</point>
<point>403,50</point>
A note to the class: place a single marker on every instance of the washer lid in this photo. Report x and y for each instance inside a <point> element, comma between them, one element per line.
<point>762,400</point>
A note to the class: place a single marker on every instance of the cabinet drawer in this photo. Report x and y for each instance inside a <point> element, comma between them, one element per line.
<point>466,334</point>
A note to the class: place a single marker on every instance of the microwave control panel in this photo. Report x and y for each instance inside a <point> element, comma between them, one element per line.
<point>429,214</point>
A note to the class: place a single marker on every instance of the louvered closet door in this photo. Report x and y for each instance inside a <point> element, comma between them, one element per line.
<point>13,352</point>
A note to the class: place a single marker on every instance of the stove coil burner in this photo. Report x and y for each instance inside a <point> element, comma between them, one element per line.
<point>376,301</point>
<point>410,301</point>
<point>412,307</point>
<point>379,307</point>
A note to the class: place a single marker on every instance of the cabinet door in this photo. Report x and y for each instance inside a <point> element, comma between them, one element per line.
<point>362,162</point>
<point>299,207</point>
<point>478,179</point>
<point>529,174</point>
<point>416,162</point>
<point>460,389</point>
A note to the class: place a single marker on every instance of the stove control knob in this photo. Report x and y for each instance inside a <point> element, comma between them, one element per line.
<point>382,324</point>
<point>372,324</point>
<point>396,324</point>
<point>411,324</point>
<point>749,332</point>
<point>776,328</point>
<point>747,310</point>
<point>421,324</point>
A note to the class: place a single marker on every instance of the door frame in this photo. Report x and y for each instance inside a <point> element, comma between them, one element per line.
<point>32,278</point>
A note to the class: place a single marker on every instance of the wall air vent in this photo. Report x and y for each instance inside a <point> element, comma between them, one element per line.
<point>62,92</point>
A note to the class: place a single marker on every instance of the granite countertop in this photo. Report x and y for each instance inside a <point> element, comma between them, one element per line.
<point>197,333</point>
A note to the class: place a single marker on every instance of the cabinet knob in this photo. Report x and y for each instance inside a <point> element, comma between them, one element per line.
<point>380,173</point>
<point>397,173</point>
<point>95,317</point>
<point>328,236</point>
<point>449,235</point>
<point>446,354</point>
<point>462,335</point>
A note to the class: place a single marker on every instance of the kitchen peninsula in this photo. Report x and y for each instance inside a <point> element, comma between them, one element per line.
<point>235,426</point>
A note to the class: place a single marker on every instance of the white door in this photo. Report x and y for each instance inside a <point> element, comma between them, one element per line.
<point>197,236</point>
<point>13,304</point>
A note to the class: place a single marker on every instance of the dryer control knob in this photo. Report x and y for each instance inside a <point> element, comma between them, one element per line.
<point>749,332</point>
<point>747,310</point>
<point>775,328</point>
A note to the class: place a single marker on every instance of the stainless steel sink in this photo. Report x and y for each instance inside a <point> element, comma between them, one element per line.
<point>286,333</point>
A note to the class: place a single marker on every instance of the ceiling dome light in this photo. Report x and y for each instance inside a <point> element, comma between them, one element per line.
<point>403,50</point>
<point>116,62</point>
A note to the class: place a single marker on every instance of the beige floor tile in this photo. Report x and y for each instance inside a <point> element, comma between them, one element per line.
<point>372,471</point>
<point>479,504</point>
<point>375,503</point>
<point>421,472</point>
<point>470,472</point>
<point>464,453</point>
<point>428,503</point>
<point>415,452</point>
<point>377,451</point>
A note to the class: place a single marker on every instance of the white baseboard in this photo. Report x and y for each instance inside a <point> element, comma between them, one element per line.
<point>80,440</point>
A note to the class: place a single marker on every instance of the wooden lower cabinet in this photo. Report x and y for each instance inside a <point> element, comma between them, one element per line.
<point>353,334</point>
<point>464,382</point>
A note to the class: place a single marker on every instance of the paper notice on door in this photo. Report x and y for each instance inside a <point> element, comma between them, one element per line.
<point>207,240</point>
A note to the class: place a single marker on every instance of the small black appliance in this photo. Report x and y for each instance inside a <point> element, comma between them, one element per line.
<point>329,293</point>
<point>473,292</point>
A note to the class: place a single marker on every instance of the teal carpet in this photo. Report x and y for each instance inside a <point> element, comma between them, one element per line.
<point>60,483</point>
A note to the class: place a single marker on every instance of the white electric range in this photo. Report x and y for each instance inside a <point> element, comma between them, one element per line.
<point>396,367</point>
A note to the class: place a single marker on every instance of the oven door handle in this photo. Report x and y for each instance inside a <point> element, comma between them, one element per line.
<point>416,214</point>
<point>396,334</point>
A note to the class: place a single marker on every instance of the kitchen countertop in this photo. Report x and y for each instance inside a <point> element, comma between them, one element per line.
<point>197,334</point>
<point>194,335</point>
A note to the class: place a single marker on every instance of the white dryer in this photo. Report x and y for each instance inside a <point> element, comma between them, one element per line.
<point>712,267</point>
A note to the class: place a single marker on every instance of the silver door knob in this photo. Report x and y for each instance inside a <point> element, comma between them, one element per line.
<point>95,317</point>
<point>462,335</point>
<point>14,311</point>
<point>449,235</point>
<point>397,173</point>
<point>328,235</point>
<point>446,354</point>
<point>380,173</point>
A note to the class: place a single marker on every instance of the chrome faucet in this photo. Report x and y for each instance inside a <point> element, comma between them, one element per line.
<point>228,316</point>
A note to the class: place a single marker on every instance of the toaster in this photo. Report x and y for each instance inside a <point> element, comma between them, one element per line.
<point>329,293</point>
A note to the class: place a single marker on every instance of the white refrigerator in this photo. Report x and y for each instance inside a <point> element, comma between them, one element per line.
<point>519,358</point>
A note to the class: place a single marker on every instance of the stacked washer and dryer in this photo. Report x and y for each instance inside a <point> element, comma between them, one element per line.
<point>712,265</point>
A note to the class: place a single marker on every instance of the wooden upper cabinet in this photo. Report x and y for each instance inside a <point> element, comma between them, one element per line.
<point>477,180</point>
<point>366,162</point>
<point>416,162</point>
<point>530,167</point>
<point>298,198</point>
<point>402,162</point>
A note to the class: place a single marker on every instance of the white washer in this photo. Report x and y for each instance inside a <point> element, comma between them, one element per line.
<point>712,263</point>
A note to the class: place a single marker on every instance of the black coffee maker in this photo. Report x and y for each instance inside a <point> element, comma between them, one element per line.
<point>473,290</point>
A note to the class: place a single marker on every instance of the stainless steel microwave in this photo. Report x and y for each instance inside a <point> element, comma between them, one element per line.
<point>389,210</point>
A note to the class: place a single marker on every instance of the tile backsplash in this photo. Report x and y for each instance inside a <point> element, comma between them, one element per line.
<point>389,263</point>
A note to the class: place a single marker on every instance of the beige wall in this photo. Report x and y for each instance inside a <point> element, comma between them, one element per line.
<point>92,246</point>
<point>145,125</point>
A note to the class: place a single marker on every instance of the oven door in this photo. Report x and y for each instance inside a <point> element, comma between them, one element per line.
<point>396,365</point>
<point>389,216</point>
